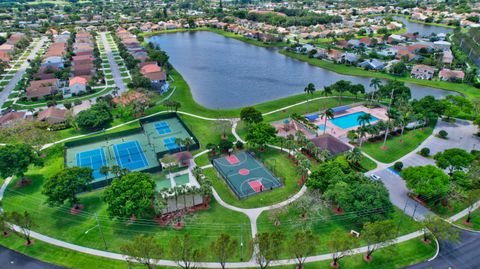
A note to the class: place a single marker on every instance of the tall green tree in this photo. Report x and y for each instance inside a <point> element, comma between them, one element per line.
<point>25,222</point>
<point>184,251</point>
<point>378,235</point>
<point>15,160</point>
<point>440,228</point>
<point>261,134</point>
<point>453,159</point>
<point>340,245</point>
<point>131,195</point>
<point>427,181</point>
<point>250,115</point>
<point>144,250</point>
<point>302,245</point>
<point>375,83</point>
<point>64,185</point>
<point>328,114</point>
<point>223,249</point>
<point>309,90</point>
<point>269,246</point>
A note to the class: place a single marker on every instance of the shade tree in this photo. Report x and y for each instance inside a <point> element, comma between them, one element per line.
<point>132,195</point>
<point>426,181</point>
<point>378,234</point>
<point>268,247</point>
<point>303,244</point>
<point>65,184</point>
<point>453,159</point>
<point>250,115</point>
<point>185,252</point>
<point>144,250</point>
<point>340,245</point>
<point>261,134</point>
<point>223,248</point>
<point>15,160</point>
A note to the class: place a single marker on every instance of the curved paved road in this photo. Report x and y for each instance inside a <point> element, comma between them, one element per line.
<point>10,259</point>
<point>463,255</point>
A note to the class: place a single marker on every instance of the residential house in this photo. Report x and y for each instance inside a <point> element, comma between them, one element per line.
<point>11,117</point>
<point>447,57</point>
<point>350,58</point>
<point>41,88</point>
<point>451,75</point>
<point>422,71</point>
<point>52,115</point>
<point>77,85</point>
<point>153,72</point>
<point>372,64</point>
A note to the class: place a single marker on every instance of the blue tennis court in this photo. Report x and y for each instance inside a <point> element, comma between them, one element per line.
<point>129,155</point>
<point>162,128</point>
<point>170,143</point>
<point>92,159</point>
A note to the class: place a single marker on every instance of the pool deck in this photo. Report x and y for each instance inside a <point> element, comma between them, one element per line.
<point>379,113</point>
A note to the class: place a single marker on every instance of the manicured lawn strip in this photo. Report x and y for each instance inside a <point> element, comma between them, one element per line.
<point>204,226</point>
<point>206,131</point>
<point>202,160</point>
<point>467,90</point>
<point>285,170</point>
<point>323,224</point>
<point>454,205</point>
<point>475,220</point>
<point>410,252</point>
<point>395,148</point>
<point>367,164</point>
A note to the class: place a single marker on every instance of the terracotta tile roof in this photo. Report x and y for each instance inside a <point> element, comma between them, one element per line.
<point>11,116</point>
<point>52,115</point>
<point>150,68</point>
<point>77,80</point>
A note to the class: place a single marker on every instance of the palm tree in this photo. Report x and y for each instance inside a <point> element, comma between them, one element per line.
<point>362,133</point>
<point>104,171</point>
<point>290,145</point>
<point>328,114</point>
<point>188,142</point>
<point>327,90</point>
<point>375,83</point>
<point>391,114</point>
<point>281,140</point>
<point>309,90</point>
<point>301,139</point>
<point>364,119</point>
<point>353,156</point>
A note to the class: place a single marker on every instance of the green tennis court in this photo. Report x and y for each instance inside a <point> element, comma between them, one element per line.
<point>245,175</point>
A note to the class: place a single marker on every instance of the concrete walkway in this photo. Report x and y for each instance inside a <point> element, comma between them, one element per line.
<point>117,77</point>
<point>18,76</point>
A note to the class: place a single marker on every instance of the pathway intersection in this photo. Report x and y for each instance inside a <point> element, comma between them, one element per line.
<point>253,213</point>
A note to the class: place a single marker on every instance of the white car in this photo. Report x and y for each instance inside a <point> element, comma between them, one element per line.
<point>375,177</point>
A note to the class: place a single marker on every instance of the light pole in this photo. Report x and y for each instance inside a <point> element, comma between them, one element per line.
<point>99,229</point>
<point>388,125</point>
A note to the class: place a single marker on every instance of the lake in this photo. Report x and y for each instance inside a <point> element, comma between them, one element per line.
<point>227,73</point>
<point>422,29</point>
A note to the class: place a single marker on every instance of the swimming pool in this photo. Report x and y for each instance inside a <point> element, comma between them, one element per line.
<point>350,120</point>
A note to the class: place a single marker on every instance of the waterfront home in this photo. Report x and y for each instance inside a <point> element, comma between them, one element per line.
<point>395,39</point>
<point>442,45</point>
<point>451,75</point>
<point>334,55</point>
<point>372,64</point>
<point>389,52</point>
<point>154,73</point>
<point>350,58</point>
<point>421,71</point>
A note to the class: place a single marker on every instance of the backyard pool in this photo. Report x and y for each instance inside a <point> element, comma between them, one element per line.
<point>350,120</point>
<point>322,127</point>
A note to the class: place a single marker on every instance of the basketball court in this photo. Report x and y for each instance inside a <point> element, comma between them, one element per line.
<point>245,175</point>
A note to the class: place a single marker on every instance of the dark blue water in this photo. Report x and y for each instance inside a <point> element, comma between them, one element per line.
<point>226,73</point>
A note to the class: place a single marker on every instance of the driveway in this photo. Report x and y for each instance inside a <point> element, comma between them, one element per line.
<point>113,65</point>
<point>18,76</point>
<point>10,259</point>
<point>460,135</point>
<point>463,255</point>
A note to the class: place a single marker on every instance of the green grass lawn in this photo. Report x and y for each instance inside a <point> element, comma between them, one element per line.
<point>474,220</point>
<point>59,223</point>
<point>284,170</point>
<point>454,205</point>
<point>397,146</point>
<point>323,224</point>
<point>406,253</point>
